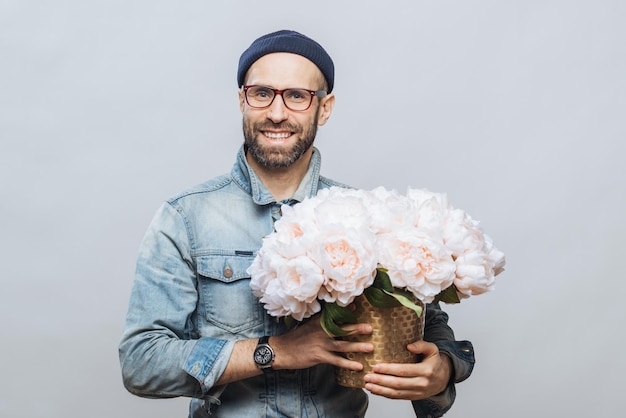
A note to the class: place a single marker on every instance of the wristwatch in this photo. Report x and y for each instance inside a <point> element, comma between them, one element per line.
<point>263,354</point>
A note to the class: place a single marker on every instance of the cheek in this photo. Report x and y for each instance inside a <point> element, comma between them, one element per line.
<point>248,120</point>
<point>309,122</point>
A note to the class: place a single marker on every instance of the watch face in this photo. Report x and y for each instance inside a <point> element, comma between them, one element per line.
<point>263,355</point>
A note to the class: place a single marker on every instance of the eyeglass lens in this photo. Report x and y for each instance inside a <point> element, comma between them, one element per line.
<point>294,99</point>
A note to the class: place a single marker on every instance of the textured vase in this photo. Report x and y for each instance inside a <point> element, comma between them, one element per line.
<point>393,330</point>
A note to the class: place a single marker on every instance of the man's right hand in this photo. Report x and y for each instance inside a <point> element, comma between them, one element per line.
<point>308,345</point>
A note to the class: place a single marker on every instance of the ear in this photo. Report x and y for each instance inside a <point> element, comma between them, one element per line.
<point>326,108</point>
<point>242,100</point>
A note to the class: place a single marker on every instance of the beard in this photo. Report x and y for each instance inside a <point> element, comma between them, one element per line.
<point>278,157</point>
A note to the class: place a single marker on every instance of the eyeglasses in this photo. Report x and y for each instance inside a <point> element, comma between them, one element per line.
<point>260,97</point>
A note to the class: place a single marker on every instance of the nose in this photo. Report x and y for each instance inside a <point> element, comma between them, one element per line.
<point>277,112</point>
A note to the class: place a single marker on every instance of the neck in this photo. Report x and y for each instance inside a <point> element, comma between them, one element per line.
<point>282,182</point>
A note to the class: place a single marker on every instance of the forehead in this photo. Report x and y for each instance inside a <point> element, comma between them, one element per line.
<point>282,70</point>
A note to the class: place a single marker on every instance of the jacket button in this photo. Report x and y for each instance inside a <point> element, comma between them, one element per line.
<point>228,273</point>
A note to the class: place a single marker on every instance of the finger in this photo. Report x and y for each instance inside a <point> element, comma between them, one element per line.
<point>423,347</point>
<point>344,363</point>
<point>398,369</point>
<point>394,388</point>
<point>358,329</point>
<point>341,346</point>
<point>394,393</point>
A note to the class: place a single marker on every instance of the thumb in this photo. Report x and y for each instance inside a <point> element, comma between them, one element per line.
<point>423,347</point>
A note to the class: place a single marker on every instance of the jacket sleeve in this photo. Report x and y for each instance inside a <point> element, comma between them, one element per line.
<point>160,352</point>
<point>461,354</point>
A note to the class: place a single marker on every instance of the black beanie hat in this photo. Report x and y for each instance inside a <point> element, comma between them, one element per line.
<point>287,41</point>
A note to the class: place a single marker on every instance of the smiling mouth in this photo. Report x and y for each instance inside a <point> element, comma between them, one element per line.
<point>277,136</point>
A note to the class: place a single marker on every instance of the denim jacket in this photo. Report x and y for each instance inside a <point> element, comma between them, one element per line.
<point>191,301</point>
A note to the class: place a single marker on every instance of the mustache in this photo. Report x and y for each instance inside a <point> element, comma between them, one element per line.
<point>284,126</point>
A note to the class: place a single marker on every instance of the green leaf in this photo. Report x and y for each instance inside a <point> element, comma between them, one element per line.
<point>448,295</point>
<point>333,315</point>
<point>380,299</point>
<point>340,314</point>
<point>405,301</point>
<point>329,327</point>
<point>382,280</point>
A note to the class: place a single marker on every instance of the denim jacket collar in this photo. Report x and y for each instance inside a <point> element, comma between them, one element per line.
<point>244,176</point>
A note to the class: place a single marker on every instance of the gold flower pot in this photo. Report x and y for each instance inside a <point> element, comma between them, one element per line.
<point>393,330</point>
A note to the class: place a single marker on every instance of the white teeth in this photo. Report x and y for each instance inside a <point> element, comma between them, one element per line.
<point>273,135</point>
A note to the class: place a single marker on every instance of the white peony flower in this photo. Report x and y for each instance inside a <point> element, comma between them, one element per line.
<point>416,262</point>
<point>293,289</point>
<point>296,230</point>
<point>349,262</point>
<point>474,274</point>
<point>432,209</point>
<point>264,267</point>
<point>343,207</point>
<point>390,210</point>
<point>496,256</point>
<point>328,247</point>
<point>461,233</point>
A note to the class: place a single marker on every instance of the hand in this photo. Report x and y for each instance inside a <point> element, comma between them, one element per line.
<point>308,345</point>
<point>412,381</point>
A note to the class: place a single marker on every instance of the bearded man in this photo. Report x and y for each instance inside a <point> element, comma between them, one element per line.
<point>193,326</point>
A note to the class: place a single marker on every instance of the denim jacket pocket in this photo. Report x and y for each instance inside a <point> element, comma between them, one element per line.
<point>225,293</point>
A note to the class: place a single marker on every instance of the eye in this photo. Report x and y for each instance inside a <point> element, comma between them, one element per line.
<point>296,95</point>
<point>260,93</point>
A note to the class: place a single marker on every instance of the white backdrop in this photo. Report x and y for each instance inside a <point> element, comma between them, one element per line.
<point>514,108</point>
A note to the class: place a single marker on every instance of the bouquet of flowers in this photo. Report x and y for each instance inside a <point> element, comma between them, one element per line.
<point>392,248</point>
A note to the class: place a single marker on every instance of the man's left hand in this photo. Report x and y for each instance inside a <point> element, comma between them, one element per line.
<point>412,381</point>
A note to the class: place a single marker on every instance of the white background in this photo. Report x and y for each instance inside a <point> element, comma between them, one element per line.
<point>514,108</point>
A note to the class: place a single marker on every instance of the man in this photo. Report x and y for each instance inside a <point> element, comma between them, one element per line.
<point>194,327</point>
